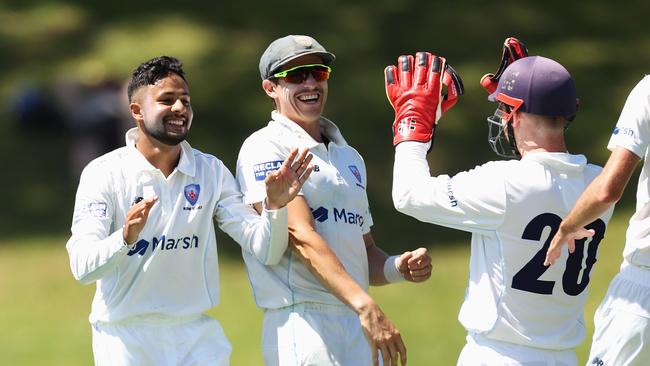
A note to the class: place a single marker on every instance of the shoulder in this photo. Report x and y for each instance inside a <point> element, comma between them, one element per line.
<point>271,138</point>
<point>108,163</point>
<point>205,159</point>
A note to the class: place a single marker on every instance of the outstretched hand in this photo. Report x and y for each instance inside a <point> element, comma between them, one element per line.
<point>382,336</point>
<point>283,184</point>
<point>415,266</point>
<point>555,249</point>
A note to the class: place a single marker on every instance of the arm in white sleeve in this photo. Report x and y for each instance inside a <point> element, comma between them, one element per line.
<point>473,201</point>
<point>93,250</point>
<point>265,236</point>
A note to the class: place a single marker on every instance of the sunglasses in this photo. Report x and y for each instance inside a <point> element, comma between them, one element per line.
<point>299,74</point>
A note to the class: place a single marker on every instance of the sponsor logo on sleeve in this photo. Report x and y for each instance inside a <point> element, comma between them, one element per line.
<point>93,209</point>
<point>450,193</point>
<point>624,131</point>
<point>261,170</point>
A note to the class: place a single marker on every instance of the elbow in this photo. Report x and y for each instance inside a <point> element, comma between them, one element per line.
<point>82,278</point>
<point>274,257</point>
<point>402,201</point>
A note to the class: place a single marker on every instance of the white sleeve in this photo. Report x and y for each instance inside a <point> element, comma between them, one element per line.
<point>257,158</point>
<point>265,236</point>
<point>632,130</point>
<point>92,248</point>
<point>472,201</point>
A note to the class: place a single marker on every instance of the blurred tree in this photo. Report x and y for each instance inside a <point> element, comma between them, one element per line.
<point>603,44</point>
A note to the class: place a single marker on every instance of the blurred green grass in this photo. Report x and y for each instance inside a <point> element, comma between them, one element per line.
<point>43,311</point>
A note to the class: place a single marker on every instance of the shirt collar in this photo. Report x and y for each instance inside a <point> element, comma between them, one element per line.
<point>186,164</point>
<point>327,128</point>
<point>559,160</point>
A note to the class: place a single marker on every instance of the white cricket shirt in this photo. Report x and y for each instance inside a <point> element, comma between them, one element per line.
<point>632,132</point>
<point>513,209</point>
<point>172,269</point>
<point>336,195</point>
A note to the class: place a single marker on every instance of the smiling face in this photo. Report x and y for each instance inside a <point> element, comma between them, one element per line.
<point>302,103</point>
<point>163,111</point>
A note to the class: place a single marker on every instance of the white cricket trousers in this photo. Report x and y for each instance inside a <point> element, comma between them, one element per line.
<point>314,334</point>
<point>161,341</point>
<point>481,351</point>
<point>622,331</point>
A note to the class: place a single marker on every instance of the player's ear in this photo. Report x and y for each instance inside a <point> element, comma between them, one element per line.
<point>270,88</point>
<point>136,111</point>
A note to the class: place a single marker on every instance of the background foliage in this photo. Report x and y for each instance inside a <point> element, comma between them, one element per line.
<point>604,44</point>
<point>50,43</point>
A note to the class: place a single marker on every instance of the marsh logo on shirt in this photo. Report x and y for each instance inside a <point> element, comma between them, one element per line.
<point>192,193</point>
<point>623,131</point>
<point>164,243</point>
<point>321,214</point>
<point>261,170</point>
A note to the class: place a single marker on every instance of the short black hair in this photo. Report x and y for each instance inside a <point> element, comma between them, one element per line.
<point>153,70</point>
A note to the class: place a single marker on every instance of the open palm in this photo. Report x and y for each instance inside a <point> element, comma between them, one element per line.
<point>283,184</point>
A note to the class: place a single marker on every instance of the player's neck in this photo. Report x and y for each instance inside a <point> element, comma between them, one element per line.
<point>162,156</point>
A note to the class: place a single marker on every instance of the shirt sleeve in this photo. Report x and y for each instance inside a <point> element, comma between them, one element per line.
<point>472,201</point>
<point>632,130</point>
<point>93,249</point>
<point>368,222</point>
<point>265,236</point>
<point>257,158</point>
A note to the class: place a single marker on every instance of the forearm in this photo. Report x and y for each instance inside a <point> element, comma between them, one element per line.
<point>92,258</point>
<point>603,192</point>
<point>376,261</point>
<point>323,263</point>
<point>410,170</point>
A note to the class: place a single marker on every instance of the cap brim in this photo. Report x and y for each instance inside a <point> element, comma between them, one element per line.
<point>325,56</point>
<point>493,97</point>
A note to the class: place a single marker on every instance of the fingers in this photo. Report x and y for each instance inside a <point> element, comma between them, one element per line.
<point>454,83</point>
<point>555,248</point>
<point>421,66</point>
<point>301,164</point>
<point>405,65</point>
<point>401,349</point>
<point>375,356</point>
<point>437,64</point>
<point>290,160</point>
<point>137,217</point>
<point>390,75</point>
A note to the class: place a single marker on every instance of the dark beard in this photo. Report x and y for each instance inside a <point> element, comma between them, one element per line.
<point>159,133</point>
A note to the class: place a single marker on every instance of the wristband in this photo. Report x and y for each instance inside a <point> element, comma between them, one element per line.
<point>391,273</point>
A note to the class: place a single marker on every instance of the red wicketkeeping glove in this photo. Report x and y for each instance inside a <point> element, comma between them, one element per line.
<point>415,90</point>
<point>513,50</point>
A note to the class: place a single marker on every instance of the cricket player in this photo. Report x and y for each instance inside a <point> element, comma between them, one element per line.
<point>143,230</point>
<point>317,309</point>
<point>622,319</point>
<point>516,310</point>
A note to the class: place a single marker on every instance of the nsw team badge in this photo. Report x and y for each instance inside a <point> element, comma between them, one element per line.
<point>357,174</point>
<point>192,193</point>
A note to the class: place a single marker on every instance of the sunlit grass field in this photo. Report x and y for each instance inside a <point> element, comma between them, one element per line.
<point>43,311</point>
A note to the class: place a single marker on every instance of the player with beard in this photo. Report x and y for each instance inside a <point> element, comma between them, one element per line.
<point>143,230</point>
